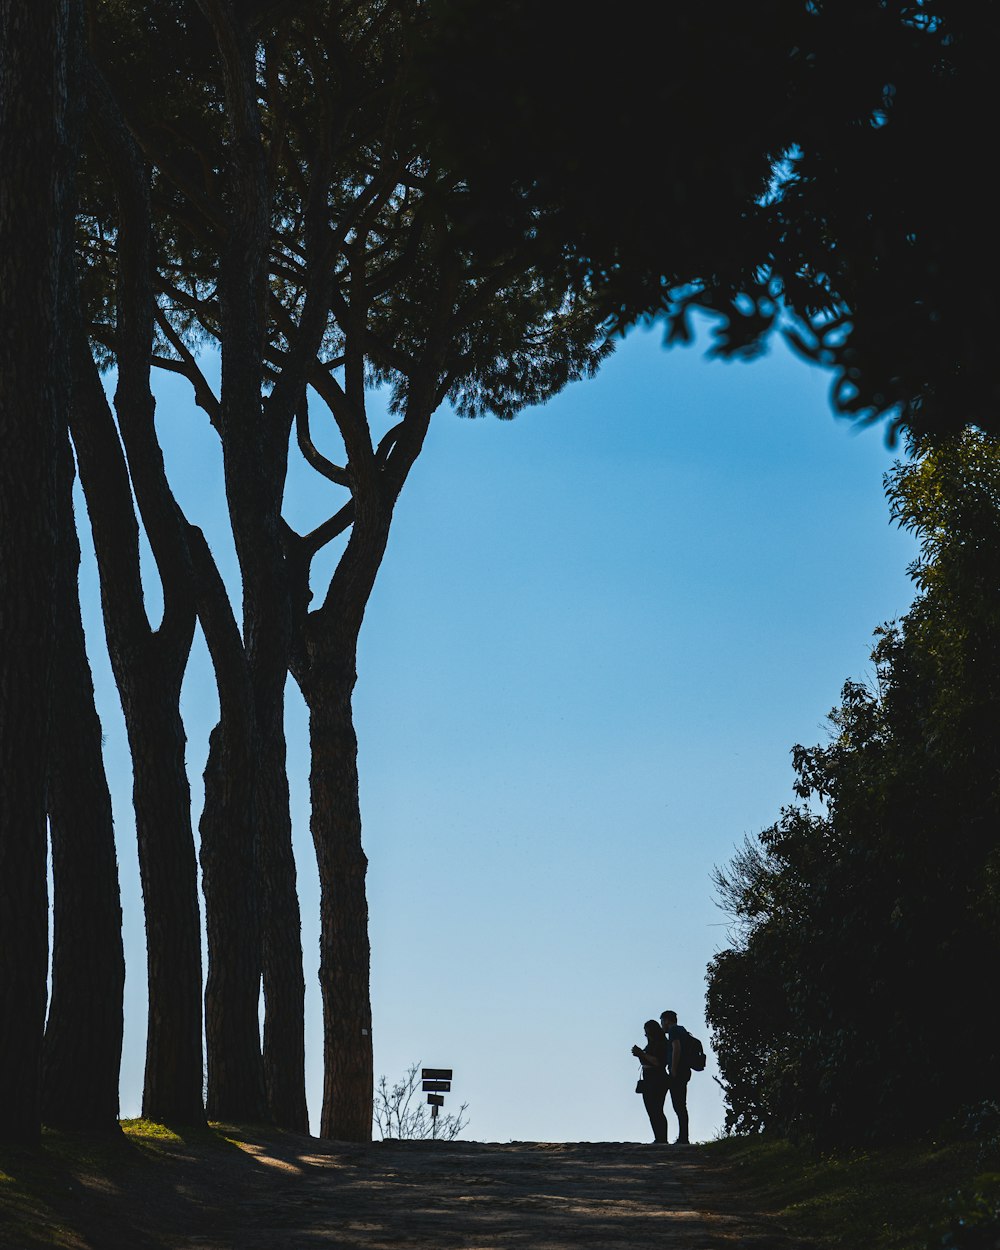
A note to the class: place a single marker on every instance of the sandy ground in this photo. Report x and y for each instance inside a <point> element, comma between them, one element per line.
<point>290,1193</point>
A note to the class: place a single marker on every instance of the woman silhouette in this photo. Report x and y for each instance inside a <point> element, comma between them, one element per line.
<point>654,1077</point>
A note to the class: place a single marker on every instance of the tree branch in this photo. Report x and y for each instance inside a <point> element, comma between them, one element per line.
<point>312,454</point>
<point>204,396</point>
<point>134,403</point>
<point>386,444</point>
<point>352,424</point>
<point>329,530</point>
<point>193,304</point>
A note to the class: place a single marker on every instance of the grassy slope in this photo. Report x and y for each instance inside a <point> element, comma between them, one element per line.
<point>896,1198</point>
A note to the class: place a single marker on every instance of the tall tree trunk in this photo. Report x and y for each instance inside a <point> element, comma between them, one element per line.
<point>324,661</point>
<point>255,455</point>
<point>172,1087</point>
<point>148,664</point>
<point>326,671</point>
<point>345,957</point>
<point>232,990</point>
<point>228,862</point>
<point>284,981</point>
<point>83,1035</point>
<point>35,229</point>
<point>148,668</point>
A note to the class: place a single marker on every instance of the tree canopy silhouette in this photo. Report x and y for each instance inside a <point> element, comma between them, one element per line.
<point>810,165</point>
<point>852,1003</point>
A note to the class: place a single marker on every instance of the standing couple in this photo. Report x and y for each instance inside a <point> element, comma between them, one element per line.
<point>664,1068</point>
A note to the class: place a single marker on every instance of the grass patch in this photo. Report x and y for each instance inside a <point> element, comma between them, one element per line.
<point>149,1131</point>
<point>161,1141</point>
<point>892,1198</point>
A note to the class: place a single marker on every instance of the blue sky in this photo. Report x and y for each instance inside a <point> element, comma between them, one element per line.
<point>596,635</point>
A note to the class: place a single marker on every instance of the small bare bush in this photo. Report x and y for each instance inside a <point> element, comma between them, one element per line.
<point>400,1114</point>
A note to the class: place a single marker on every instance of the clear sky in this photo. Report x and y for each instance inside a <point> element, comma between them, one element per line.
<point>597,633</point>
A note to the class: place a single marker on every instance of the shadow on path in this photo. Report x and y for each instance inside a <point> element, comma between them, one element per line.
<point>236,1189</point>
<point>477,1196</point>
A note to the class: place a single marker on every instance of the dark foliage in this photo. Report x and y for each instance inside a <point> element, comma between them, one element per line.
<point>855,1001</point>
<point>825,157</point>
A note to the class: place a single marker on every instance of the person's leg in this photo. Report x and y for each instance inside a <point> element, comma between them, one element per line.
<point>653,1101</point>
<point>678,1099</point>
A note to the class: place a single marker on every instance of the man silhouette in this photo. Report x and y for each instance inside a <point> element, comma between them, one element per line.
<point>679,1072</point>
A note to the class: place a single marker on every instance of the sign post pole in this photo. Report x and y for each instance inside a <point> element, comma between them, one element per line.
<point>436,1083</point>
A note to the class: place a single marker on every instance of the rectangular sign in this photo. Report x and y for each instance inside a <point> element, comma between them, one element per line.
<point>436,1074</point>
<point>441,1086</point>
<point>435,1100</point>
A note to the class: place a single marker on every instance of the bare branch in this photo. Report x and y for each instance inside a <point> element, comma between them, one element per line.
<point>351,423</point>
<point>201,308</point>
<point>330,529</point>
<point>204,396</point>
<point>312,453</point>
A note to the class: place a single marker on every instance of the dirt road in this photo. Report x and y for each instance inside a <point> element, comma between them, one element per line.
<point>287,1193</point>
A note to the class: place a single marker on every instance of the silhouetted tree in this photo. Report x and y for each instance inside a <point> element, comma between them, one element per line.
<point>81,1056</point>
<point>208,233</point>
<point>230,879</point>
<point>83,1032</point>
<point>868,918</point>
<point>35,234</point>
<point>304,228</point>
<point>148,663</point>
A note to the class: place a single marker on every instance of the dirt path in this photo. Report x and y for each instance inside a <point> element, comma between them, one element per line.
<point>292,1193</point>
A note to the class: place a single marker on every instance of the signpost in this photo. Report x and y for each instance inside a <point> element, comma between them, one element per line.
<point>436,1083</point>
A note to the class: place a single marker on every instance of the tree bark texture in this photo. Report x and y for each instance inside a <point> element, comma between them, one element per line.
<point>228,865</point>
<point>83,1034</point>
<point>35,229</point>
<point>327,680</point>
<point>232,991</point>
<point>172,1087</point>
<point>284,980</point>
<point>345,956</point>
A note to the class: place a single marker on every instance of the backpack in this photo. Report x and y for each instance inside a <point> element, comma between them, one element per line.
<point>692,1052</point>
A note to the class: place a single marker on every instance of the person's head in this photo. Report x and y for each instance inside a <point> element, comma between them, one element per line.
<point>668,1019</point>
<point>653,1031</point>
